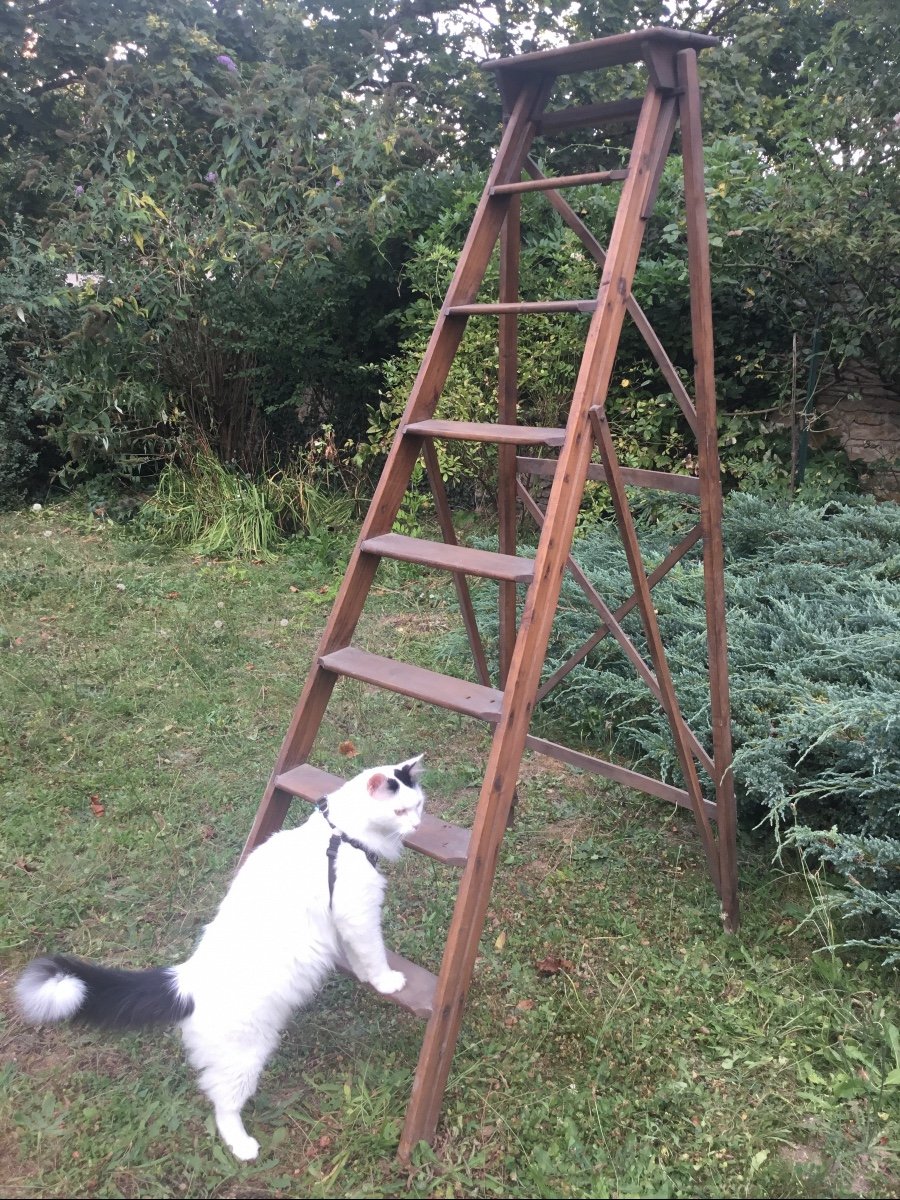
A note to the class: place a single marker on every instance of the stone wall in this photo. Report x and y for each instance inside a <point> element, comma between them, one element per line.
<point>863,414</point>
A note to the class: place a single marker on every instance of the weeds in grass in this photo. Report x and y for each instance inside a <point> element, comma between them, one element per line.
<point>218,510</point>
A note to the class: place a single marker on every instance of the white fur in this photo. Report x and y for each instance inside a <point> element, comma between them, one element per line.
<point>41,999</point>
<point>277,936</point>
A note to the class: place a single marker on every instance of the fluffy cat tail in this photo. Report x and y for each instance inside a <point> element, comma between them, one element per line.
<point>62,988</point>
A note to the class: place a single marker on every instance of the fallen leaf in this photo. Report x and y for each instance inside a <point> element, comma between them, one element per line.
<point>525,1005</point>
<point>552,965</point>
<point>347,749</point>
<point>97,808</point>
<point>172,595</point>
<point>293,588</point>
<point>501,940</point>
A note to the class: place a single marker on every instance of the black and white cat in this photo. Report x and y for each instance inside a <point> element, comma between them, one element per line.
<point>304,902</point>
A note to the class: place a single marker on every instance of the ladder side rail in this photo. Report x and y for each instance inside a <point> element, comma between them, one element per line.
<point>306,721</point>
<point>710,487</point>
<point>508,743</point>
<point>508,405</point>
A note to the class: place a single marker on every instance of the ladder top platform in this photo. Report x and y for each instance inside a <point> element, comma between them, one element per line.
<point>602,52</point>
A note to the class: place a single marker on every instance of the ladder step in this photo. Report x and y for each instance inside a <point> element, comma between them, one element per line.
<point>488,431</point>
<point>418,995</point>
<point>451,557</point>
<point>435,838</point>
<point>521,306</point>
<point>558,181</point>
<point>473,699</point>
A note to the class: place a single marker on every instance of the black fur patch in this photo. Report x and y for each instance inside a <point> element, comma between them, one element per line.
<point>404,774</point>
<point>392,785</point>
<point>123,999</point>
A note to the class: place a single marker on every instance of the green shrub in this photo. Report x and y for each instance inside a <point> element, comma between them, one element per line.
<point>813,596</point>
<point>870,897</point>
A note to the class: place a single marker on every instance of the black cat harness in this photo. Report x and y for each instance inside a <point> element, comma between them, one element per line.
<point>331,853</point>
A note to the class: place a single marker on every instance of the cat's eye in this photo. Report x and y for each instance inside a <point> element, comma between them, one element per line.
<point>400,812</point>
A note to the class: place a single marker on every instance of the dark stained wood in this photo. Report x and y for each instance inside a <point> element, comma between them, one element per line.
<point>461,584</point>
<point>613,112</point>
<point>435,838</point>
<point>635,311</point>
<point>654,639</point>
<point>710,492</point>
<point>540,606</point>
<point>487,431</point>
<point>489,216</point>
<point>618,774</point>
<point>451,557</point>
<point>418,995</point>
<point>524,307</point>
<point>526,83</point>
<point>674,556</point>
<point>663,481</point>
<point>508,411</point>
<point>473,699</point>
<point>559,181</point>
<point>602,52</point>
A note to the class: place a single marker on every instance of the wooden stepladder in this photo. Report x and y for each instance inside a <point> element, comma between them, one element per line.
<point>672,96</point>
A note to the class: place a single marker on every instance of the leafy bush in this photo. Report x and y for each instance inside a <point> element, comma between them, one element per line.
<point>813,597</point>
<point>753,340</point>
<point>21,277</point>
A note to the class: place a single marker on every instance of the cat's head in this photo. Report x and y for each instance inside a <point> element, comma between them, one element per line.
<point>395,800</point>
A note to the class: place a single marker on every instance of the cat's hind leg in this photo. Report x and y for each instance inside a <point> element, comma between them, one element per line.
<point>229,1071</point>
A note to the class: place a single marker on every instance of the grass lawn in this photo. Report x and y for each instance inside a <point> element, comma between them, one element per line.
<point>616,1042</point>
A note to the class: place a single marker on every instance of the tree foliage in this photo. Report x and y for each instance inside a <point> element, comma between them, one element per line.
<point>240,187</point>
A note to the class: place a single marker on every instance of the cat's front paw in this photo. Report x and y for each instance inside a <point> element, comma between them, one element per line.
<point>389,982</point>
<point>244,1148</point>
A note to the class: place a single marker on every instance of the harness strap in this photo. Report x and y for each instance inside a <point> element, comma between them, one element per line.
<point>331,853</point>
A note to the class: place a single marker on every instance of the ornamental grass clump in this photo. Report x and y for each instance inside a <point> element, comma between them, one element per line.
<point>220,510</point>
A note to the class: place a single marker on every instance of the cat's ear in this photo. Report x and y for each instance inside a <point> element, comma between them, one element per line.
<point>414,767</point>
<point>375,782</point>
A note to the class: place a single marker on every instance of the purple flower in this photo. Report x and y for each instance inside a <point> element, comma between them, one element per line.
<point>211,177</point>
<point>227,62</point>
<point>79,191</point>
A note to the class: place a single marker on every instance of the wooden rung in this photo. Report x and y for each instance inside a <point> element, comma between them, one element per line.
<point>558,181</point>
<point>450,557</point>
<point>418,995</point>
<point>619,774</point>
<point>473,699</point>
<point>488,431</point>
<point>522,306</point>
<point>663,481</point>
<point>614,112</point>
<point>437,839</point>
